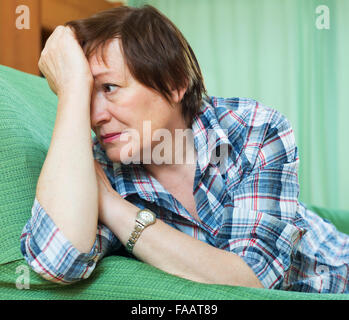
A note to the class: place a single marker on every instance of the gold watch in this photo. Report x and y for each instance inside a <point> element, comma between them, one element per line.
<point>144,219</point>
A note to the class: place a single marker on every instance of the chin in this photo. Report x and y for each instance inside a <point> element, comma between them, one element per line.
<point>113,156</point>
<point>117,157</point>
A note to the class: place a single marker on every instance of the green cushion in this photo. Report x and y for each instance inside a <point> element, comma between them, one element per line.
<point>121,278</point>
<point>27,115</point>
<point>340,218</point>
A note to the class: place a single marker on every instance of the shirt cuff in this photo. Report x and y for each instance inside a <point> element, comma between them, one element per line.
<point>265,243</point>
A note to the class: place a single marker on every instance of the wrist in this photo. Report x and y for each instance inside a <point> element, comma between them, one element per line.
<point>76,89</point>
<point>120,218</point>
<point>116,209</point>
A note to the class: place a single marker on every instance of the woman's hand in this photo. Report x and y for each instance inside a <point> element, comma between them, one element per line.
<point>107,196</point>
<point>64,64</point>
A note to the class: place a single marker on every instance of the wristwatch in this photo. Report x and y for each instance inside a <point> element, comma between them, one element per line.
<point>144,219</point>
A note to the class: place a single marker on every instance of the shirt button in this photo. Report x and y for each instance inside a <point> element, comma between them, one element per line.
<point>90,263</point>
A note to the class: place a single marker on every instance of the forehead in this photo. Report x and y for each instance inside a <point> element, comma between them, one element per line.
<point>114,60</point>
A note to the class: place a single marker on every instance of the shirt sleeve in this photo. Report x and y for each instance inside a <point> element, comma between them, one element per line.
<point>263,228</point>
<point>51,255</point>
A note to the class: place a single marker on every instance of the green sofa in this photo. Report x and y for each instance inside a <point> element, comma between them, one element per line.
<point>27,115</point>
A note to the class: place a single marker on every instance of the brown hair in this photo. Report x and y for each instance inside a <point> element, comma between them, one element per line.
<point>156,52</point>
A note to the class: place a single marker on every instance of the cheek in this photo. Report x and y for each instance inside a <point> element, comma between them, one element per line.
<point>128,149</point>
<point>138,147</point>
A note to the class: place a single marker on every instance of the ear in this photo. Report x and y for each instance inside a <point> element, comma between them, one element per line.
<point>177,95</point>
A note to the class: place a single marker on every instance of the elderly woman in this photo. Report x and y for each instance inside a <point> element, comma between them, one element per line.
<point>227,214</point>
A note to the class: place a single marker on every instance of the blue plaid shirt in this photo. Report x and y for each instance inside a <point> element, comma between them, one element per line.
<point>247,201</point>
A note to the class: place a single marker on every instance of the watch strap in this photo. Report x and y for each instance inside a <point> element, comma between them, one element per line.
<point>144,218</point>
<point>134,236</point>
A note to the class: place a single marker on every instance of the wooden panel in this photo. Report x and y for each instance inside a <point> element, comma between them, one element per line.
<point>57,12</point>
<point>20,48</point>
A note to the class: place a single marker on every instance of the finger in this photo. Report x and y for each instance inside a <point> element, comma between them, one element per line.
<point>98,168</point>
<point>56,32</point>
<point>71,32</point>
<point>96,163</point>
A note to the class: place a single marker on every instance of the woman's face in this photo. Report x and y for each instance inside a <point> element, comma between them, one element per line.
<point>120,104</point>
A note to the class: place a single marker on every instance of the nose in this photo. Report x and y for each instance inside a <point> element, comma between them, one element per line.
<point>99,112</point>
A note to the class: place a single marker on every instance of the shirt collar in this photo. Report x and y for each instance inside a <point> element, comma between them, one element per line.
<point>133,179</point>
<point>210,139</point>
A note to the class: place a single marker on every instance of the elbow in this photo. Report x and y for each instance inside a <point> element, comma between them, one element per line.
<point>83,246</point>
<point>50,254</point>
<point>255,283</point>
<point>39,262</point>
<point>54,265</point>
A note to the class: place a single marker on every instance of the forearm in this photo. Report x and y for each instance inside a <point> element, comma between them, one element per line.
<point>179,254</point>
<point>67,186</point>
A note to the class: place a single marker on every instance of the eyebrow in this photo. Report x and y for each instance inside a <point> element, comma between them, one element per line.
<point>101,74</point>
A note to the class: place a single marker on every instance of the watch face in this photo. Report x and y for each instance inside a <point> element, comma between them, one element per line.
<point>146,216</point>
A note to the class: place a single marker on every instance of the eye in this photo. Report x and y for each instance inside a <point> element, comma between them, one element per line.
<point>109,87</point>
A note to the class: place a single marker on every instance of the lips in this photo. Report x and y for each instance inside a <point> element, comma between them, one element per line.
<point>110,136</point>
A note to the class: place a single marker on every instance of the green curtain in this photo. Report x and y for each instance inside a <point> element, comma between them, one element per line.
<point>277,52</point>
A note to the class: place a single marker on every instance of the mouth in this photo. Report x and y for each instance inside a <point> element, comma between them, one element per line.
<point>110,137</point>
